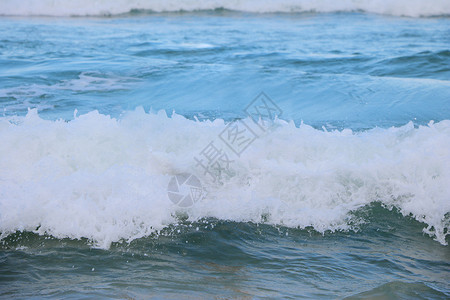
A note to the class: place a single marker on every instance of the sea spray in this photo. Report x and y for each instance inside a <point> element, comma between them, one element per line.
<point>106,179</point>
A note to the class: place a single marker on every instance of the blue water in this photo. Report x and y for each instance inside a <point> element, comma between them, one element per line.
<point>349,200</point>
<point>355,70</point>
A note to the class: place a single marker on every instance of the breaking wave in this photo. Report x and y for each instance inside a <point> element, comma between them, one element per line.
<point>411,8</point>
<point>106,179</point>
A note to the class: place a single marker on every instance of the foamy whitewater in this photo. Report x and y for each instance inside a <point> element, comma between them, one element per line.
<point>346,194</point>
<point>106,179</point>
<point>411,8</point>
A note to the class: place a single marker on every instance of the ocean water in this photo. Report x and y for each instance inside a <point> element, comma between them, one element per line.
<point>212,149</point>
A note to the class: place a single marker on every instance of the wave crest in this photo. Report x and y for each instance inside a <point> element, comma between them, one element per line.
<point>106,179</point>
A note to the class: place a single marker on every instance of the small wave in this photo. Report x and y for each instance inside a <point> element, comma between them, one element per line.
<point>106,179</point>
<point>401,290</point>
<point>411,8</point>
<point>417,65</point>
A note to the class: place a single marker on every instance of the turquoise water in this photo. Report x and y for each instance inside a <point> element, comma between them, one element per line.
<point>355,70</point>
<point>346,195</point>
<point>389,258</point>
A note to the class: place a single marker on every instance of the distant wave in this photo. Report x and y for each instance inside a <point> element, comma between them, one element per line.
<point>106,179</point>
<point>411,8</point>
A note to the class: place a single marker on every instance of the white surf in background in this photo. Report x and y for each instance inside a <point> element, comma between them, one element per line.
<point>410,8</point>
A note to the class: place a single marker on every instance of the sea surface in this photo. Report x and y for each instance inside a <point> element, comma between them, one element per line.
<point>133,164</point>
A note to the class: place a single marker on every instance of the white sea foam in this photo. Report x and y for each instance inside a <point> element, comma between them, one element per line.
<point>106,179</point>
<point>412,8</point>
